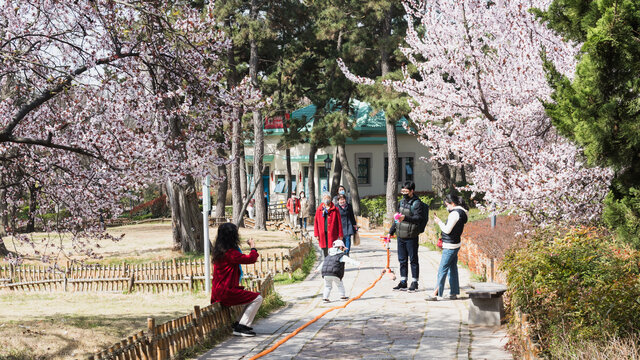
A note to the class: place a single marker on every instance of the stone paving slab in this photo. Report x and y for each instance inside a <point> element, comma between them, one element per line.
<point>383,324</point>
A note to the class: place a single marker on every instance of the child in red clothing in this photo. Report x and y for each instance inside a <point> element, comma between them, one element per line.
<point>226,287</point>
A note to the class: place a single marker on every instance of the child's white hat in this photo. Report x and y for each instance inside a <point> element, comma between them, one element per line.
<point>338,243</point>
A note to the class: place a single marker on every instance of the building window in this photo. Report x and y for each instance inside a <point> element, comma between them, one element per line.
<point>405,169</point>
<point>408,169</point>
<point>281,184</point>
<point>364,170</point>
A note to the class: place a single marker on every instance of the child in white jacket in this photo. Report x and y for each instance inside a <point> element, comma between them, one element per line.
<point>333,269</point>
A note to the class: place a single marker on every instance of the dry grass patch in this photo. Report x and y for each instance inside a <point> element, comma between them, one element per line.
<point>143,243</point>
<point>64,325</point>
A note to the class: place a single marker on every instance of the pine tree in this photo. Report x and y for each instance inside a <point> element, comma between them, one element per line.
<point>600,107</point>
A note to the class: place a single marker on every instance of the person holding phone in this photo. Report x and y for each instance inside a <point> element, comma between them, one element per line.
<point>227,272</point>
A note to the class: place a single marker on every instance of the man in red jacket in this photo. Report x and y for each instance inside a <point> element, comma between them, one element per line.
<point>327,225</point>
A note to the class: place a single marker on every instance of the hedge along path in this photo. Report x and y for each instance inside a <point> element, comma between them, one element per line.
<point>295,332</point>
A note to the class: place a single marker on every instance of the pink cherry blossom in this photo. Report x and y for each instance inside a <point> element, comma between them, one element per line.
<point>478,99</point>
<point>100,98</point>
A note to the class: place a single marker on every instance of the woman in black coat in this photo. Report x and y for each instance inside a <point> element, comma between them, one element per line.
<point>349,227</point>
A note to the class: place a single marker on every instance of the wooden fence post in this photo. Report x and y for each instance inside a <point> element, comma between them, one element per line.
<point>131,282</point>
<point>197,322</point>
<point>151,325</point>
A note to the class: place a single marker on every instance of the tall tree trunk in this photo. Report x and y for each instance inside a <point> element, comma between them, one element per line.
<point>312,182</point>
<point>4,217</point>
<point>258,152</point>
<point>336,176</point>
<point>392,138</point>
<point>236,185</point>
<point>441,177</point>
<point>392,170</point>
<point>243,172</point>
<point>33,206</point>
<point>258,127</point>
<point>351,179</point>
<point>221,192</point>
<point>236,138</point>
<point>186,218</point>
<point>3,249</point>
<point>4,222</point>
<point>287,176</point>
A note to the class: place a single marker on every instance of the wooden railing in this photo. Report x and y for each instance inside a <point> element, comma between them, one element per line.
<point>176,276</point>
<point>166,340</point>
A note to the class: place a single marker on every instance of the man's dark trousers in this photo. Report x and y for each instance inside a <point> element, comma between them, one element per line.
<point>408,248</point>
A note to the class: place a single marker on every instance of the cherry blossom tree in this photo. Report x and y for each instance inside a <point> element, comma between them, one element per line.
<point>99,98</point>
<point>478,98</point>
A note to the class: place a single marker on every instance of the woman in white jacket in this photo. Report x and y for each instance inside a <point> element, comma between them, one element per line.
<point>450,234</point>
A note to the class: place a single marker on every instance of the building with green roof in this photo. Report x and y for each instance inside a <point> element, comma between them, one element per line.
<point>367,156</point>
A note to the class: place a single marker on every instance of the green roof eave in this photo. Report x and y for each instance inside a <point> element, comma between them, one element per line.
<point>367,140</point>
<point>265,158</point>
<point>378,130</point>
<point>321,157</point>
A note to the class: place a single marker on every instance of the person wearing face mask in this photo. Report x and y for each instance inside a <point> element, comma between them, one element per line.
<point>327,226</point>
<point>451,232</point>
<point>293,205</point>
<point>341,191</point>
<point>409,224</point>
<point>349,226</point>
<point>304,210</point>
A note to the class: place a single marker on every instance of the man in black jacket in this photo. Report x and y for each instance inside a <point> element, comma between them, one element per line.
<point>407,225</point>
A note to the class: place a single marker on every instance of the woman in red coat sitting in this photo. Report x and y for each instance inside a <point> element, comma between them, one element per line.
<point>226,287</point>
<point>327,225</point>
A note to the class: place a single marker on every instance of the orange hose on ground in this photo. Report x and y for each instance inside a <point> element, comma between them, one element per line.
<point>286,338</point>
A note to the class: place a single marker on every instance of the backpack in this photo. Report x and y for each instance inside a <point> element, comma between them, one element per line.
<point>425,214</point>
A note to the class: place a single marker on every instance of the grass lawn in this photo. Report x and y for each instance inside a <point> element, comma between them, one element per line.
<point>72,325</point>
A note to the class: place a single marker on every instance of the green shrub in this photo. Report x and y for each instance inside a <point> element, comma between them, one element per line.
<point>51,217</point>
<point>623,215</point>
<point>374,208</point>
<point>577,286</point>
<point>143,217</point>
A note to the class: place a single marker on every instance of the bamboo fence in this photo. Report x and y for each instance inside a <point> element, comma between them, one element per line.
<point>173,276</point>
<point>166,340</point>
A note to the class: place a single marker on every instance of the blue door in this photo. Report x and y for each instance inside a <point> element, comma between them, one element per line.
<point>265,185</point>
<point>265,182</point>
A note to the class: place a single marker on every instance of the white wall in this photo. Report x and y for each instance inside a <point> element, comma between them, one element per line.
<point>408,145</point>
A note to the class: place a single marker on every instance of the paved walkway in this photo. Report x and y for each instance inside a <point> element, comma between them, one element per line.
<point>383,324</point>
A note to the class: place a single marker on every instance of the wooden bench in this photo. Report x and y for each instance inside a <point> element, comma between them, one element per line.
<point>486,307</point>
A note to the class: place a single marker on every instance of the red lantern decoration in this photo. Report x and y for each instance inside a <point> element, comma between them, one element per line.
<point>272,176</point>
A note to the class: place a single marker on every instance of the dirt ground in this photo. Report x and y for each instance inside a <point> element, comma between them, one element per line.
<point>141,243</point>
<point>71,325</point>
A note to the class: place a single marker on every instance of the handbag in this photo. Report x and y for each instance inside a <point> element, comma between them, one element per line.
<point>356,239</point>
<point>440,243</point>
